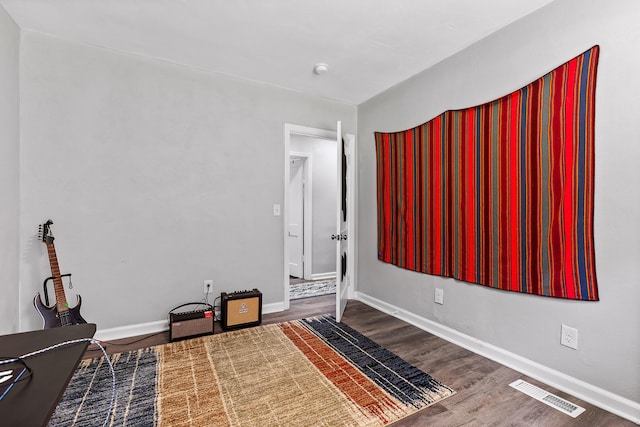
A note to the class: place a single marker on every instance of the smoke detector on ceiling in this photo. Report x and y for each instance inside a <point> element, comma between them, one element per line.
<point>320,68</point>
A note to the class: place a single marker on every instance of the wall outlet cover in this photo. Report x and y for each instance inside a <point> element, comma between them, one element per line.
<point>208,286</point>
<point>569,337</point>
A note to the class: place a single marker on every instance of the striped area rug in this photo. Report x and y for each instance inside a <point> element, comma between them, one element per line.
<point>312,372</point>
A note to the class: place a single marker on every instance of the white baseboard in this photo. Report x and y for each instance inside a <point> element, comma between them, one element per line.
<point>132,330</point>
<point>160,326</point>
<point>324,276</point>
<point>273,307</point>
<point>599,397</point>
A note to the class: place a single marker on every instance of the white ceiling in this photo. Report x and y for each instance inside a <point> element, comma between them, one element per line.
<point>370,45</point>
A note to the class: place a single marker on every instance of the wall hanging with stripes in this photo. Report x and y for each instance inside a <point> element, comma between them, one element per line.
<point>500,194</point>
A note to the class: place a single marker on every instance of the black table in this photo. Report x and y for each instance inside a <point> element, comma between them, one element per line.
<point>31,402</point>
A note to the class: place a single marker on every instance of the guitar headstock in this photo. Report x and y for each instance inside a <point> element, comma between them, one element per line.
<point>44,232</point>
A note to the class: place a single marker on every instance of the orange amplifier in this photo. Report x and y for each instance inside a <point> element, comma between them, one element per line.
<point>240,309</point>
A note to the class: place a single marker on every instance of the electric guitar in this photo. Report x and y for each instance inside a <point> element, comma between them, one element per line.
<point>59,314</point>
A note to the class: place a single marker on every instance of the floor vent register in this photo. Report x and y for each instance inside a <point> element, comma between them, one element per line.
<point>545,397</point>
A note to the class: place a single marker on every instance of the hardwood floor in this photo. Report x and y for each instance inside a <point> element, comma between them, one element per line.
<point>483,398</point>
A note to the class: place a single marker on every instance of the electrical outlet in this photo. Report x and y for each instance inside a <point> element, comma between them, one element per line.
<point>439,296</point>
<point>569,337</point>
<point>208,286</point>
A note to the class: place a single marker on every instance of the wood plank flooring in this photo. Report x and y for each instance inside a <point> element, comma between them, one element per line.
<point>483,398</point>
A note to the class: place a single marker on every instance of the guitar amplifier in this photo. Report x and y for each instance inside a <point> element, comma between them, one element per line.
<point>191,324</point>
<point>240,309</point>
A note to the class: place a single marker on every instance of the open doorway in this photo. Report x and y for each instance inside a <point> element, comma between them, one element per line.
<point>310,212</point>
<point>300,215</point>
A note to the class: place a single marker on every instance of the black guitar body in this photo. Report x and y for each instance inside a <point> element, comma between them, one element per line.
<point>52,319</point>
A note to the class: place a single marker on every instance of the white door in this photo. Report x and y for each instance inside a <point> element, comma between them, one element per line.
<point>345,246</point>
<point>296,217</point>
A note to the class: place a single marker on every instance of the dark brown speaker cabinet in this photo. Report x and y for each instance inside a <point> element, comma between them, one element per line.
<point>191,324</point>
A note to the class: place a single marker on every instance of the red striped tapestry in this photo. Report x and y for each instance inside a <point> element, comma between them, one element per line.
<point>500,194</point>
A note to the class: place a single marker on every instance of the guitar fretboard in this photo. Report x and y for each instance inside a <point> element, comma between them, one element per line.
<point>61,299</point>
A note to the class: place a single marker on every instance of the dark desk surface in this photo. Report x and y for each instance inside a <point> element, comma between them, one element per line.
<point>31,402</point>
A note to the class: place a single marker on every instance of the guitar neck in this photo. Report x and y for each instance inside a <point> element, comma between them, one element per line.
<point>61,299</point>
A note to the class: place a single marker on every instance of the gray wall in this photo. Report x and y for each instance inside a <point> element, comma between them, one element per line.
<point>325,194</point>
<point>156,176</point>
<point>609,330</point>
<point>9,173</point>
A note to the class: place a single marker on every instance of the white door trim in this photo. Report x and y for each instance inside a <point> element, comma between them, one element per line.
<point>291,129</point>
